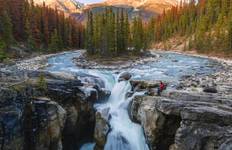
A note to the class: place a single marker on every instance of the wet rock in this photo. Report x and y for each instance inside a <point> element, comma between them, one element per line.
<point>116,139</point>
<point>102,128</point>
<point>129,94</point>
<point>175,60</point>
<point>181,120</point>
<point>103,94</point>
<point>47,133</point>
<point>10,129</point>
<point>125,76</point>
<point>210,90</point>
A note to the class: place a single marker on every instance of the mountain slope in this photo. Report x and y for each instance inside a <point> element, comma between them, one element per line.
<point>156,6</point>
<point>143,8</point>
<point>68,6</point>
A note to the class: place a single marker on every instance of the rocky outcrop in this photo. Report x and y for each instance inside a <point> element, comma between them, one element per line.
<point>40,110</point>
<point>180,121</point>
<point>28,122</point>
<point>43,123</point>
<point>102,128</point>
<point>125,76</point>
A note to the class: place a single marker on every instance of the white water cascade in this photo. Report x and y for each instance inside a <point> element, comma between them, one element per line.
<point>124,135</point>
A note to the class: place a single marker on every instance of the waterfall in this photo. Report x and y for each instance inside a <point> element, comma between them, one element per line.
<point>125,135</point>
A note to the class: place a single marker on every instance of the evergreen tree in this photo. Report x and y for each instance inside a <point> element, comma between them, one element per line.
<point>111,32</point>
<point>230,33</point>
<point>90,34</point>
<point>2,50</point>
<point>28,35</point>
<point>126,31</point>
<point>55,44</point>
<point>33,25</point>
<point>137,35</point>
<point>7,35</point>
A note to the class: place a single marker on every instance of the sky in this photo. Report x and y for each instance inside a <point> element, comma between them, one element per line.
<point>90,1</point>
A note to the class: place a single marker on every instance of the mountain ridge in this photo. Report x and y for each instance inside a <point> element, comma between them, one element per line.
<point>74,6</point>
<point>155,6</point>
<point>67,6</point>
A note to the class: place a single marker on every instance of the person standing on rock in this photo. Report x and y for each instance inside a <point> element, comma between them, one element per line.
<point>161,88</point>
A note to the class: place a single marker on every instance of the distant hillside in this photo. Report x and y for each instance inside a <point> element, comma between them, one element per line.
<point>156,6</point>
<point>68,6</point>
<point>143,8</point>
<point>132,12</point>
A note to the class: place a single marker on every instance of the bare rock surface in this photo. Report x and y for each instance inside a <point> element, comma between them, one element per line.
<point>181,120</point>
<point>56,113</point>
<point>102,128</point>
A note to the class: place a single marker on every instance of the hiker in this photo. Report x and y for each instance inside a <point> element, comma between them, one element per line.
<point>161,88</point>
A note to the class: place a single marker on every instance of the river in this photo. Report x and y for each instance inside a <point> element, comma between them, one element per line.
<point>124,134</point>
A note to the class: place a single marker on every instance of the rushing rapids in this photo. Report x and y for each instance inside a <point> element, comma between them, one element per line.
<point>124,134</point>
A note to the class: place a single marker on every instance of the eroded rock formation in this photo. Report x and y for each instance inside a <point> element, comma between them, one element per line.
<point>181,121</point>
<point>56,113</point>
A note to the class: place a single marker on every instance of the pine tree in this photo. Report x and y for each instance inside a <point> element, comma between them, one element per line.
<point>28,35</point>
<point>90,34</point>
<point>126,31</point>
<point>118,33</point>
<point>151,30</point>
<point>111,32</point>
<point>7,33</point>
<point>55,42</point>
<point>230,33</point>
<point>2,50</point>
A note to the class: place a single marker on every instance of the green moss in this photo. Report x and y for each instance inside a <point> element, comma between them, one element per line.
<point>41,83</point>
<point>2,48</point>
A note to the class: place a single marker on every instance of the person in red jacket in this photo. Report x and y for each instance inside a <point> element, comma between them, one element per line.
<point>161,88</point>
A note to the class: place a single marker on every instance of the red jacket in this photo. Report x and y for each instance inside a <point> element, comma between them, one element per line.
<point>162,86</point>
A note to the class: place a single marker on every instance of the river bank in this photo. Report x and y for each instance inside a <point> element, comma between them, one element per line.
<point>221,81</point>
<point>194,53</point>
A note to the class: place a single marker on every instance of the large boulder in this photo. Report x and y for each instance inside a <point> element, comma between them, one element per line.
<point>125,76</point>
<point>43,122</point>
<point>102,128</point>
<point>181,120</point>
